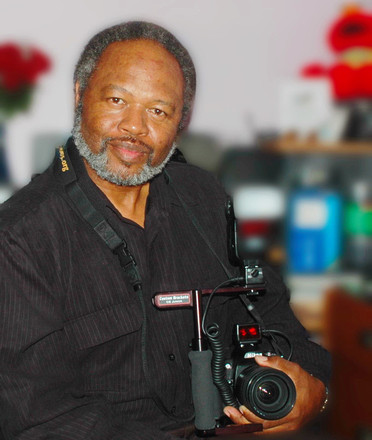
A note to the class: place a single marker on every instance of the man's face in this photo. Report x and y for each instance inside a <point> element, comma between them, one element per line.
<point>130,112</point>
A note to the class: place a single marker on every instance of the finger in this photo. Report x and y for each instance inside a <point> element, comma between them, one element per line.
<point>273,362</point>
<point>236,416</point>
<point>249,415</point>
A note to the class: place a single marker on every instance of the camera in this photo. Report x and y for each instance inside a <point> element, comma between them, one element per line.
<point>267,392</point>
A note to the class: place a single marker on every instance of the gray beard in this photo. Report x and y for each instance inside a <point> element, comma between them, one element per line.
<point>98,161</point>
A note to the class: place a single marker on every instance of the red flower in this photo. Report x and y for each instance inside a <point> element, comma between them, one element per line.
<point>21,66</point>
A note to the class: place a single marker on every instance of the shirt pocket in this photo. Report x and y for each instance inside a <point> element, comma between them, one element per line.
<point>102,326</point>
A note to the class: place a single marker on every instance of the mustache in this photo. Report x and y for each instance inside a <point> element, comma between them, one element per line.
<point>129,142</point>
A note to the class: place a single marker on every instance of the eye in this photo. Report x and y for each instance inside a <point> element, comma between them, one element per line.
<point>160,114</point>
<point>115,100</point>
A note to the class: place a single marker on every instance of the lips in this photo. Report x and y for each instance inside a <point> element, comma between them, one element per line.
<point>128,151</point>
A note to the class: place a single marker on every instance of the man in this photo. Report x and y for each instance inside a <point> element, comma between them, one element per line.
<point>83,352</point>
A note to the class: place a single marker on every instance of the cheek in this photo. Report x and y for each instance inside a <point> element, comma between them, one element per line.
<point>162,142</point>
<point>94,126</point>
<point>163,136</point>
<point>95,121</point>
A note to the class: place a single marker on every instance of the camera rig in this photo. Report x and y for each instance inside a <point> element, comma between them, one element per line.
<point>269,393</point>
<point>205,395</point>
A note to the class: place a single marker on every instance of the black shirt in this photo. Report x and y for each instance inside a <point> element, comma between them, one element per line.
<point>70,338</point>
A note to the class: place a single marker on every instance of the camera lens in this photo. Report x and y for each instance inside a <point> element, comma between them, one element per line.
<point>267,392</point>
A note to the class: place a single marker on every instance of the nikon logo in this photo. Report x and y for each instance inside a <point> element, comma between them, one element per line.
<point>63,160</point>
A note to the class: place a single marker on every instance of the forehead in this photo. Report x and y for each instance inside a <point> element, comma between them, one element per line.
<point>139,58</point>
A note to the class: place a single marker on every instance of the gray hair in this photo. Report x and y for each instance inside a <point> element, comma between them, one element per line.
<point>139,30</point>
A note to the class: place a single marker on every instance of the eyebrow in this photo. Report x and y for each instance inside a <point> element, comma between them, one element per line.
<point>124,90</point>
<point>117,88</point>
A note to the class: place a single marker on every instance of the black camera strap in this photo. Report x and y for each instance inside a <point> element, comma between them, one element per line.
<point>100,225</point>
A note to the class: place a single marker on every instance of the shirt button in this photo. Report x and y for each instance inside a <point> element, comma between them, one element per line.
<point>172,357</point>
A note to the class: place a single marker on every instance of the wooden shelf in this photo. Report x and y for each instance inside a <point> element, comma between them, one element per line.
<point>295,146</point>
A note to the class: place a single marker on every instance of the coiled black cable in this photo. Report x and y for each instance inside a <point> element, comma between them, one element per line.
<point>218,366</point>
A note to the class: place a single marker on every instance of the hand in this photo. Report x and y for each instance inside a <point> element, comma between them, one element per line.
<point>309,400</point>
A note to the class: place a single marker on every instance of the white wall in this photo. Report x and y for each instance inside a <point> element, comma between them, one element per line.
<point>242,49</point>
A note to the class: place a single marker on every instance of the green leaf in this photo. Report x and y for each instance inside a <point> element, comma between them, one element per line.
<point>12,102</point>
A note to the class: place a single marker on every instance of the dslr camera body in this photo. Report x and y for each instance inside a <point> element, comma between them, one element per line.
<point>267,392</point>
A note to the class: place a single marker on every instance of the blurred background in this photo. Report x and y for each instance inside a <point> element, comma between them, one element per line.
<point>283,118</point>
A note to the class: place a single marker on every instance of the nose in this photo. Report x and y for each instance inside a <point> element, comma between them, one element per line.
<point>134,121</point>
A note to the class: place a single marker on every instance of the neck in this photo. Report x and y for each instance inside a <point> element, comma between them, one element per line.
<point>130,201</point>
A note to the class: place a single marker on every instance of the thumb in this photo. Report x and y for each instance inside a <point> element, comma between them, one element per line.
<point>262,360</point>
<point>271,361</point>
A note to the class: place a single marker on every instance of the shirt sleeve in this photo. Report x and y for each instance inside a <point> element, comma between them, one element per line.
<point>41,393</point>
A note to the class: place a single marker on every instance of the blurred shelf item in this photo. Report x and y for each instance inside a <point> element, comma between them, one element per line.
<point>314,226</point>
<point>308,297</point>
<point>293,145</point>
<point>310,314</point>
<point>202,150</point>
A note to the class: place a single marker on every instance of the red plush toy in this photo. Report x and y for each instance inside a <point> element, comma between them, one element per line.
<point>351,39</point>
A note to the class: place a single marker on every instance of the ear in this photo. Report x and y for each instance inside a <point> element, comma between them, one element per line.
<point>77,93</point>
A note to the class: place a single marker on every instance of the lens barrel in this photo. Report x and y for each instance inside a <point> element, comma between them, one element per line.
<point>267,392</point>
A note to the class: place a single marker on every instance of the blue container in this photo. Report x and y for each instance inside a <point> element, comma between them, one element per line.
<point>314,230</point>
